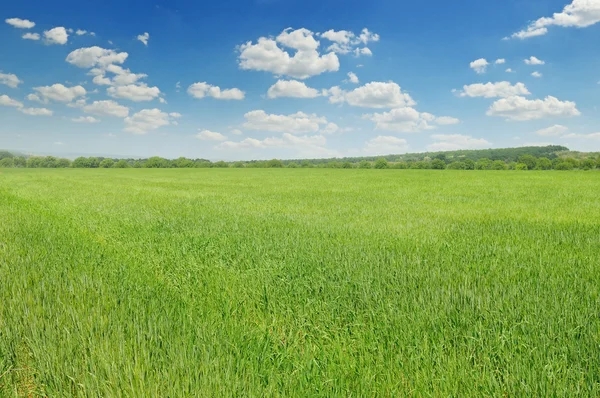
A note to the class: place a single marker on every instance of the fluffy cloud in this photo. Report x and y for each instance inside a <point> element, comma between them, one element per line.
<point>534,61</point>
<point>267,56</point>
<point>236,132</point>
<point>106,108</point>
<point>121,76</point>
<point>352,78</point>
<point>500,61</point>
<point>90,57</point>
<point>453,142</point>
<point>20,23</point>
<point>479,65</point>
<point>509,70</point>
<point>553,131</point>
<point>201,90</point>
<point>136,93</point>
<point>536,74</point>
<point>146,120</point>
<point>493,90</point>
<point>407,120</point>
<point>9,79</point>
<point>57,35</point>
<point>144,38</point>
<point>59,92</point>
<point>520,108</point>
<point>385,145</point>
<point>85,119</point>
<point>5,100</point>
<point>345,42</point>
<point>31,36</point>
<point>206,135</point>
<point>372,95</point>
<point>580,14</point>
<point>297,123</point>
<point>37,111</point>
<point>291,88</point>
<point>305,145</point>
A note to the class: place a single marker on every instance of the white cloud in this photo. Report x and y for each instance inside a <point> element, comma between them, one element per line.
<point>206,135</point>
<point>493,90</point>
<point>536,74</point>
<point>345,41</point>
<point>59,92</point>
<point>553,131</point>
<point>352,78</point>
<point>372,95</point>
<point>175,115</point>
<point>453,142</point>
<point>534,61</point>
<point>201,90</point>
<point>5,100</point>
<point>385,145</point>
<point>297,123</point>
<point>267,56</point>
<point>580,14</point>
<point>136,93</point>
<point>80,103</point>
<point>305,145</point>
<point>20,23</point>
<point>90,57</point>
<point>9,79</point>
<point>509,70</point>
<point>146,120</point>
<point>236,132</point>
<point>144,38</point>
<point>362,51</point>
<point>500,61</point>
<point>407,120</point>
<point>479,65</point>
<point>520,108</point>
<point>366,36</point>
<point>291,88</point>
<point>31,36</point>
<point>331,128</point>
<point>36,111</point>
<point>178,86</point>
<point>106,108</point>
<point>36,98</point>
<point>85,119</point>
<point>57,35</point>
<point>592,136</point>
<point>80,32</point>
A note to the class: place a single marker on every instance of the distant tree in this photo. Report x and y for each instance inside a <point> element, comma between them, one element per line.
<point>364,164</point>
<point>441,156</point>
<point>529,160</point>
<point>80,163</point>
<point>183,163</point>
<point>573,162</point>
<point>121,164</point>
<point>305,164</point>
<point>399,165</point>
<point>563,166</point>
<point>48,162</point>
<point>483,164</point>
<point>35,162</point>
<point>63,163</point>
<point>138,164</point>
<point>221,164</point>
<point>274,164</point>
<point>598,162</point>
<point>333,165</point>
<point>521,166</point>
<point>347,165</point>
<point>587,164</point>
<point>156,162</point>
<point>239,165</point>
<point>106,164</point>
<point>6,154</point>
<point>203,164</point>
<point>469,164</point>
<point>94,162</point>
<point>499,165</point>
<point>292,165</point>
<point>7,163</point>
<point>457,166</point>
<point>420,165</point>
<point>543,164</point>
<point>381,163</point>
<point>438,164</point>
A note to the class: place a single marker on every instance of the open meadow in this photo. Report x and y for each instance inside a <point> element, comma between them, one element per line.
<point>299,282</point>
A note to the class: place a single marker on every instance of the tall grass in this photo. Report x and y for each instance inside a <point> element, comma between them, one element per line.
<point>299,283</point>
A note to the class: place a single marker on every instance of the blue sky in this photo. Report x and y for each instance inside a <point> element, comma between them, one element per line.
<point>289,78</point>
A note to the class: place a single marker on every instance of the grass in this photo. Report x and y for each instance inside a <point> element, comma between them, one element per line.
<point>299,283</point>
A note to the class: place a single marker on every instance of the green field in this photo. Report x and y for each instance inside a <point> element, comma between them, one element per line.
<point>294,282</point>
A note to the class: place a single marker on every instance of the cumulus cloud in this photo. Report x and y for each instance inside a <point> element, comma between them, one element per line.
<point>90,57</point>
<point>61,93</point>
<point>305,145</point>
<point>493,90</point>
<point>291,88</point>
<point>144,38</point>
<point>536,74</point>
<point>5,100</point>
<point>31,36</point>
<point>297,123</point>
<point>520,108</point>
<point>133,92</point>
<point>57,35</point>
<point>10,80</point>
<point>479,65</point>
<point>106,108</point>
<point>345,41</point>
<point>146,120</point>
<point>534,61</point>
<point>236,132</point>
<point>85,119</point>
<point>20,23</point>
<point>553,131</point>
<point>509,70</point>
<point>206,135</point>
<point>352,78</point>
<point>407,120</point>
<point>372,95</point>
<point>267,56</point>
<point>201,90</point>
<point>36,111</point>
<point>385,145</point>
<point>500,61</point>
<point>453,142</point>
<point>579,14</point>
